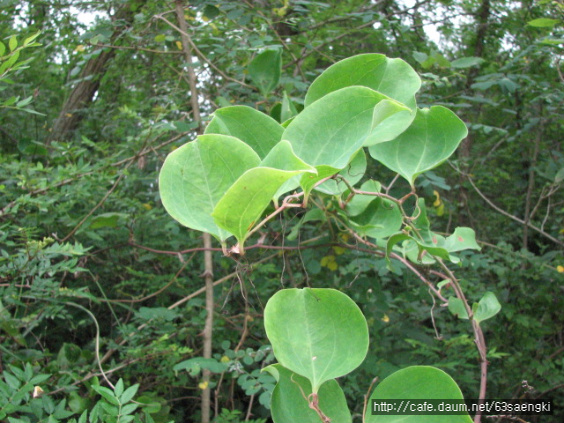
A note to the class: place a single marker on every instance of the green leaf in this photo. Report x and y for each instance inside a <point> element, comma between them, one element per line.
<point>265,70</point>
<point>487,307</point>
<point>2,48</point>
<point>31,39</point>
<point>107,220</point>
<point>13,43</point>
<point>211,11</point>
<point>288,110</point>
<point>360,202</point>
<point>380,219</point>
<point>195,176</point>
<point>128,409</point>
<point>429,141</point>
<point>106,393</point>
<point>118,388</point>
<point>416,383</point>
<point>282,157</point>
<point>244,202</point>
<point>461,239</point>
<point>373,216</point>
<point>466,62</point>
<point>258,130</point>
<point>320,334</point>
<point>456,307</point>
<point>330,131</point>
<point>392,77</point>
<point>128,394</point>
<point>543,23</point>
<point>288,404</point>
<point>10,62</point>
<point>352,173</point>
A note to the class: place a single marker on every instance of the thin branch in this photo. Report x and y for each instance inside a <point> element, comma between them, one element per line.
<point>509,215</point>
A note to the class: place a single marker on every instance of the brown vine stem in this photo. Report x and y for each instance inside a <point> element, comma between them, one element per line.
<point>478,333</point>
<point>313,400</point>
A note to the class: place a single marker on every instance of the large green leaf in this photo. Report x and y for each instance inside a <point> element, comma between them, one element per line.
<point>392,77</point>
<point>330,131</point>
<point>414,385</point>
<point>258,130</point>
<point>289,402</point>
<point>320,334</point>
<point>244,202</point>
<point>429,141</point>
<point>195,176</point>
<point>265,70</point>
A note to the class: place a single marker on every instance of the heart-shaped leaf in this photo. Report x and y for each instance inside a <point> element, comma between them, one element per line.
<point>320,334</point>
<point>195,176</point>
<point>415,384</point>
<point>392,77</point>
<point>258,130</point>
<point>429,141</point>
<point>290,399</point>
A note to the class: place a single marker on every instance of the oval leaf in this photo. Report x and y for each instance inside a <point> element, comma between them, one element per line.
<point>417,383</point>
<point>195,176</point>
<point>320,334</point>
<point>429,141</point>
<point>392,77</point>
